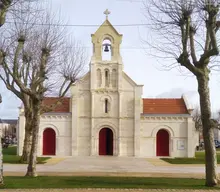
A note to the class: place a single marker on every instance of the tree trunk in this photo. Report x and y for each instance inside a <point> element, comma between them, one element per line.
<point>1,157</point>
<point>28,138</point>
<point>208,134</point>
<point>31,169</point>
<point>1,164</point>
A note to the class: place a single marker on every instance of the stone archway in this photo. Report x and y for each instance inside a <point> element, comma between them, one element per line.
<point>49,142</point>
<point>105,141</point>
<point>163,139</point>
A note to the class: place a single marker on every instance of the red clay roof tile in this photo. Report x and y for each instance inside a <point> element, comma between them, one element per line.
<point>150,106</point>
<point>164,106</point>
<point>64,107</point>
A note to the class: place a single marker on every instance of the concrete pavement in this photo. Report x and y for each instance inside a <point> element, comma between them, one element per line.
<point>109,166</point>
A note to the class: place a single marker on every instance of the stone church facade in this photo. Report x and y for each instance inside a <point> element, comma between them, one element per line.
<point>106,114</point>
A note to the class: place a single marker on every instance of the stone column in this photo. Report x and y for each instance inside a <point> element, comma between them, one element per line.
<point>110,79</point>
<point>103,78</point>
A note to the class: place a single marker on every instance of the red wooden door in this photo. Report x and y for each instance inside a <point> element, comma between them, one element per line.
<point>162,143</point>
<point>106,142</point>
<point>102,141</point>
<point>109,142</point>
<point>49,142</point>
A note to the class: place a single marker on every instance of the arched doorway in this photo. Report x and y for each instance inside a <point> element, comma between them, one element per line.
<point>49,142</point>
<point>162,143</point>
<point>105,142</point>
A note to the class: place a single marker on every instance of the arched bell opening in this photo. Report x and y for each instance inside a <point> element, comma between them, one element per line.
<point>106,50</point>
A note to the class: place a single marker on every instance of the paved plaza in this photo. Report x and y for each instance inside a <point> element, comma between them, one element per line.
<point>110,166</point>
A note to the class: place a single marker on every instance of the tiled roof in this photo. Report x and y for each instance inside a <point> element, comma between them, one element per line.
<point>164,106</point>
<point>150,106</point>
<point>54,104</point>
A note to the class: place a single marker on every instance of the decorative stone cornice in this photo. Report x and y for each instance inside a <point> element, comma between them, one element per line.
<point>103,64</point>
<point>105,90</point>
<point>105,117</point>
<point>56,116</point>
<point>99,117</point>
<point>164,118</point>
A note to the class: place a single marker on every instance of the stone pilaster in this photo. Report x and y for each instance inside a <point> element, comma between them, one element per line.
<point>137,119</point>
<point>120,114</point>
<point>120,108</point>
<point>75,112</point>
<point>21,132</point>
<point>93,137</point>
<point>93,75</point>
<point>190,141</point>
<point>120,72</point>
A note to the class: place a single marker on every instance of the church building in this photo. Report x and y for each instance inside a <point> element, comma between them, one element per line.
<point>106,114</point>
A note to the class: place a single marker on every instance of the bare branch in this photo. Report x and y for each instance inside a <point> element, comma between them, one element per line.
<point>4,6</point>
<point>190,19</point>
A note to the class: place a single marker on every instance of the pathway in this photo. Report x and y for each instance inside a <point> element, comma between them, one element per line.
<point>124,166</point>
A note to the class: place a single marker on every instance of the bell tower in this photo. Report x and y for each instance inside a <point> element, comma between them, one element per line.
<point>106,40</point>
<point>106,62</point>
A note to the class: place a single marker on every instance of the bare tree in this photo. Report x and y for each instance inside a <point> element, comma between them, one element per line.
<point>30,61</point>
<point>24,11</point>
<point>5,6</point>
<point>10,9</point>
<point>197,119</point>
<point>187,31</point>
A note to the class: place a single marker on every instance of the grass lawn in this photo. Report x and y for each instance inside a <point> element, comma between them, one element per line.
<point>103,182</point>
<point>9,156</point>
<point>199,159</point>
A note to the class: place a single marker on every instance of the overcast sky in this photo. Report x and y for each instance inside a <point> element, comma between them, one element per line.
<point>138,63</point>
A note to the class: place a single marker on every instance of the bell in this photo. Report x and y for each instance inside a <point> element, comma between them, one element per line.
<point>106,48</point>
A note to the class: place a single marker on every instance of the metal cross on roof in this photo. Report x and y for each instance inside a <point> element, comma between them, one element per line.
<point>107,12</point>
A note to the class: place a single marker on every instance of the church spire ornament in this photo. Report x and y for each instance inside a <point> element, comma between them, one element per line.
<point>107,12</point>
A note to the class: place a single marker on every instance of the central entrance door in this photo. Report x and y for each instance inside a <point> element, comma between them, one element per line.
<point>162,143</point>
<point>105,142</point>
